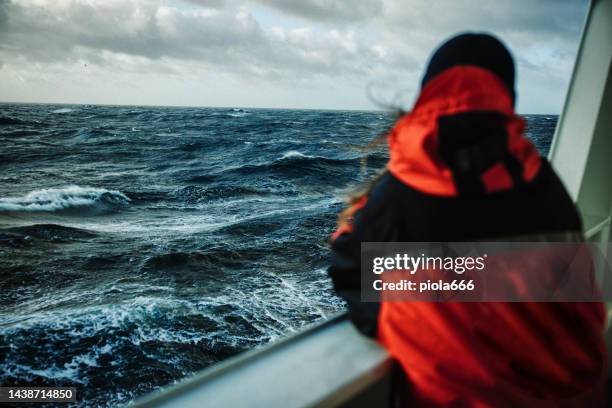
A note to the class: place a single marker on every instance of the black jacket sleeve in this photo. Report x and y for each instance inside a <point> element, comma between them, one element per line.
<point>345,271</point>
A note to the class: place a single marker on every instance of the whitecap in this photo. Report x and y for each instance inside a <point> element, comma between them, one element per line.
<point>56,199</point>
<point>292,154</point>
<point>62,110</point>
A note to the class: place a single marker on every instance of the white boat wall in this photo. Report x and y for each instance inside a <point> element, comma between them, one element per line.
<point>330,364</point>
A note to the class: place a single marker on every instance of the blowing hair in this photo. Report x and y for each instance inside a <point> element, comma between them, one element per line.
<point>357,196</point>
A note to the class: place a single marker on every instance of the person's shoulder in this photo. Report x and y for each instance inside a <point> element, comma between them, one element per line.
<point>388,188</point>
<point>545,174</point>
<point>387,192</point>
<point>390,192</point>
<point>546,182</point>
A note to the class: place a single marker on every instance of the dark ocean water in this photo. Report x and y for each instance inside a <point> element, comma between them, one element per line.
<point>139,245</point>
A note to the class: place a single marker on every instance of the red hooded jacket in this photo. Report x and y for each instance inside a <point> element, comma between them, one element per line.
<point>472,354</point>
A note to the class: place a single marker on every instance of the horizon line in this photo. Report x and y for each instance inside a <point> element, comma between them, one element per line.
<point>225,107</point>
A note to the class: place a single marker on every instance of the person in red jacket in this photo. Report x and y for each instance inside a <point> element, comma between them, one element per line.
<point>461,169</point>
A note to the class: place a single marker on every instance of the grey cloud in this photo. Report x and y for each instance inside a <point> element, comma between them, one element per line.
<point>328,10</point>
<point>134,28</point>
<point>228,39</point>
<point>4,5</point>
<point>523,22</point>
<point>216,4</point>
<point>551,16</point>
<point>530,28</point>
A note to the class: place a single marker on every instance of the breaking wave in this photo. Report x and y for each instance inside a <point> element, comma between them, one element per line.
<point>296,154</point>
<point>62,110</point>
<point>98,200</point>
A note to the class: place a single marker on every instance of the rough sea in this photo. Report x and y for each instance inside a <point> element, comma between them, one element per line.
<point>139,245</point>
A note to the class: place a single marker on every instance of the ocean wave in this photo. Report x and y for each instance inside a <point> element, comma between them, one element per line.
<point>86,132</point>
<point>240,111</point>
<point>200,178</point>
<point>68,372</point>
<point>8,121</point>
<point>238,114</point>
<point>206,260</point>
<point>62,110</point>
<point>20,133</point>
<point>295,154</point>
<point>194,194</point>
<point>160,339</point>
<point>297,165</point>
<point>51,232</point>
<point>96,200</point>
<point>283,141</point>
<point>230,113</point>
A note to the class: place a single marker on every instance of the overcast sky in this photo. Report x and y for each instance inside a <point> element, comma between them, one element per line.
<point>268,53</point>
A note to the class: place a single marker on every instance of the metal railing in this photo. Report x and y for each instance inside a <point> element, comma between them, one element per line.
<point>329,364</point>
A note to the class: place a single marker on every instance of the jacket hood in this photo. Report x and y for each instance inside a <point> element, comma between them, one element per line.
<point>414,142</point>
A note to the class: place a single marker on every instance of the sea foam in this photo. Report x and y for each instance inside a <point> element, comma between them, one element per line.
<point>70,197</point>
<point>293,154</point>
<point>62,110</point>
